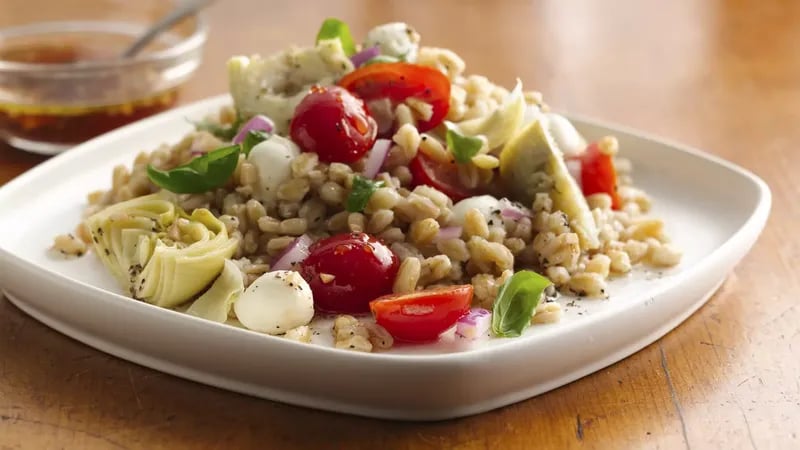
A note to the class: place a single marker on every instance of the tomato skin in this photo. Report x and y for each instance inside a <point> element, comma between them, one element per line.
<point>334,124</point>
<point>399,81</point>
<point>422,316</point>
<point>443,177</point>
<point>598,174</point>
<point>362,267</point>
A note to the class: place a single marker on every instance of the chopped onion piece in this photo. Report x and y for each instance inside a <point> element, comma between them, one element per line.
<point>448,233</point>
<point>376,158</point>
<point>512,213</point>
<point>256,123</point>
<point>474,324</point>
<point>293,255</point>
<point>365,55</point>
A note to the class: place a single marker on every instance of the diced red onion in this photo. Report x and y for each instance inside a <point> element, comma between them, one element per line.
<point>365,55</point>
<point>448,233</point>
<point>574,169</point>
<point>474,324</point>
<point>376,157</point>
<point>513,213</point>
<point>293,254</point>
<point>256,123</point>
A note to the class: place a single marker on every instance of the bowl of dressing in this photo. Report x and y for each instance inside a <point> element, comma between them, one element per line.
<point>63,80</point>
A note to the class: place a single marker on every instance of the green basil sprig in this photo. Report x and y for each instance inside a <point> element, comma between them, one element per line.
<point>253,138</point>
<point>462,147</point>
<point>336,29</point>
<point>201,174</point>
<point>361,192</point>
<point>516,302</point>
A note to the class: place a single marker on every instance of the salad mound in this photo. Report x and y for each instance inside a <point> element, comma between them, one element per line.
<point>377,183</point>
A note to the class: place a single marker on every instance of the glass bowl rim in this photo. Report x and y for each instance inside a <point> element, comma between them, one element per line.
<point>184,46</point>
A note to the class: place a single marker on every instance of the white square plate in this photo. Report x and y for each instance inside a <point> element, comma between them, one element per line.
<point>714,211</point>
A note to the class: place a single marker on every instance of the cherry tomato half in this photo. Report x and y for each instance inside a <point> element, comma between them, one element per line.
<point>346,271</point>
<point>443,177</point>
<point>399,81</point>
<point>598,174</point>
<point>422,316</point>
<point>334,124</point>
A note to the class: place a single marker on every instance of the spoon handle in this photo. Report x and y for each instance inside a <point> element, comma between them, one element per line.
<point>184,10</point>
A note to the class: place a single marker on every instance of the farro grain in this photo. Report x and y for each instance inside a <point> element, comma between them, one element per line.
<point>423,232</point>
<point>421,109</point>
<point>487,162</point>
<point>636,250</point>
<point>434,269</point>
<point>338,221</point>
<point>434,149</point>
<point>599,263</point>
<point>403,115</point>
<point>475,224</point>
<point>549,312</point>
<point>665,255</point>
<point>299,334</point>
<point>380,220</point>
<point>407,276</point>
<point>293,227</point>
<point>266,224</point>
<point>392,234</point>
<point>356,222</point>
<point>332,193</point>
<point>276,245</point>
<point>620,261</point>
<point>587,283</point>
<point>558,275</point>
<point>455,249</point>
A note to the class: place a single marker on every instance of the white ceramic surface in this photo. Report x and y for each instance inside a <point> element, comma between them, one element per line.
<point>714,211</point>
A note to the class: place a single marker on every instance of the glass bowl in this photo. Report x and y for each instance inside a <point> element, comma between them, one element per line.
<point>61,78</point>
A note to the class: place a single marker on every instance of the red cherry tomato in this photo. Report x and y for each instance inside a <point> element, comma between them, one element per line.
<point>346,271</point>
<point>443,177</point>
<point>334,124</point>
<point>399,81</point>
<point>422,316</point>
<point>598,174</point>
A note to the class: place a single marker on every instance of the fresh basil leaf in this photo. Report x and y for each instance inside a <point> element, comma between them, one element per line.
<point>336,29</point>
<point>516,302</point>
<point>462,147</point>
<point>361,192</point>
<point>253,138</point>
<point>381,59</point>
<point>223,132</point>
<point>201,174</point>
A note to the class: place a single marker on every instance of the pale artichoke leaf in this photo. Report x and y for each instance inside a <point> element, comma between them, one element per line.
<point>215,304</point>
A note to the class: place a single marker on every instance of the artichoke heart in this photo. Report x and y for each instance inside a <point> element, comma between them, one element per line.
<point>501,125</point>
<point>216,302</point>
<point>157,252</point>
<point>531,163</point>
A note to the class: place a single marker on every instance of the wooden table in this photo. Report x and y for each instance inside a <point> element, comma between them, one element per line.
<point>722,76</point>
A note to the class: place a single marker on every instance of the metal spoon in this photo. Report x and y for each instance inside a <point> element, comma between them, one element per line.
<point>185,9</point>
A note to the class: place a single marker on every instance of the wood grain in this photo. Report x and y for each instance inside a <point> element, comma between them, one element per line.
<point>719,75</point>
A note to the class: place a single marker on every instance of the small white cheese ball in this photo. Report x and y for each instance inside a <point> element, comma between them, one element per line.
<point>273,161</point>
<point>275,303</point>
<point>486,204</point>
<point>566,136</point>
<point>395,39</point>
<point>569,141</point>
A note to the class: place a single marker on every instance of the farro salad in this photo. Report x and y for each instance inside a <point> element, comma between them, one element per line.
<point>349,179</point>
